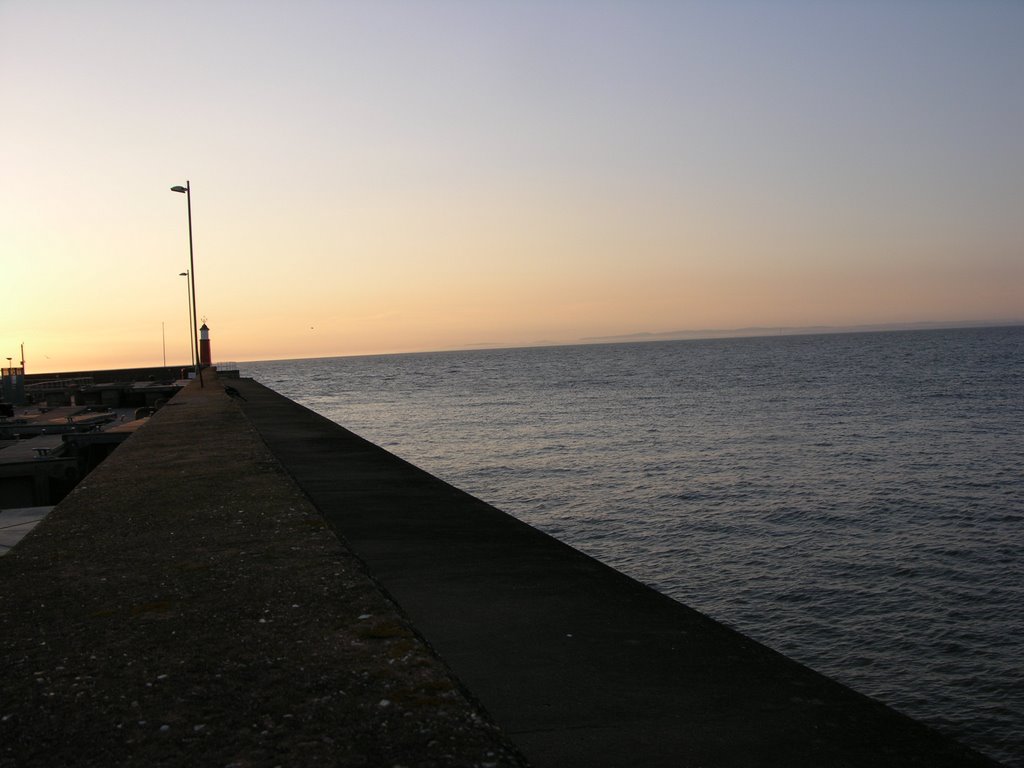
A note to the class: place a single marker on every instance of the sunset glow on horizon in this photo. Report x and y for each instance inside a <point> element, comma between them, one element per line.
<point>372,177</point>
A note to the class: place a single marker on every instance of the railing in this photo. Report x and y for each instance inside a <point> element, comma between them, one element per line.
<point>54,384</point>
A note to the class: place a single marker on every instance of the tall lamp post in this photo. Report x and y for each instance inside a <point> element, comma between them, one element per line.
<point>188,303</point>
<point>187,191</point>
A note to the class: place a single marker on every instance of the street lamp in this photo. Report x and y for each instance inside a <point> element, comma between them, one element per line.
<point>188,303</point>
<point>187,191</point>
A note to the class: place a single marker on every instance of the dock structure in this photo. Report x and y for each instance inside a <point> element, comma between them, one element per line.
<point>44,452</point>
<point>244,582</point>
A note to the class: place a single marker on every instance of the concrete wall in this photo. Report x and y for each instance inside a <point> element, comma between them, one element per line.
<point>156,373</point>
<point>579,664</point>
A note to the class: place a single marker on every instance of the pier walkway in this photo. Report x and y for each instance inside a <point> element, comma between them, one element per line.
<point>246,583</point>
<point>185,605</point>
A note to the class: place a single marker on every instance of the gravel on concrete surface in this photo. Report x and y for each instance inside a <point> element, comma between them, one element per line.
<point>186,604</point>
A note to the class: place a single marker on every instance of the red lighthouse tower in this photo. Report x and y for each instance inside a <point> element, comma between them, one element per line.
<point>205,358</point>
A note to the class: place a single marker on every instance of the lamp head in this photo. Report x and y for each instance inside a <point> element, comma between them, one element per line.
<point>179,188</point>
<point>183,274</point>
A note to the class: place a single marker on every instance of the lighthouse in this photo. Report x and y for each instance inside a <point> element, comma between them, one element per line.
<point>204,346</point>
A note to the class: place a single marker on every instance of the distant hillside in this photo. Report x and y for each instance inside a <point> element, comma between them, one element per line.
<point>712,333</point>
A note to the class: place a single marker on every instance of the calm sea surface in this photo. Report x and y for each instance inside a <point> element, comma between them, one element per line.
<point>855,501</point>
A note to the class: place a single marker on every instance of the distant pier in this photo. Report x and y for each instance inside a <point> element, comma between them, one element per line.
<point>245,582</point>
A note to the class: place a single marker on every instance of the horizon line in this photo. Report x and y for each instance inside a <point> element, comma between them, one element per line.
<point>694,335</point>
<point>638,337</point>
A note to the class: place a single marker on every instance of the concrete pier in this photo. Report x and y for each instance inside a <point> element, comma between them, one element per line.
<point>187,605</point>
<point>190,603</point>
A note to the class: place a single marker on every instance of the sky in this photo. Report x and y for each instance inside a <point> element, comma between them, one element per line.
<point>393,176</point>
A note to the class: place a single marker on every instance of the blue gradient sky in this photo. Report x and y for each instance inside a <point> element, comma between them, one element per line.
<point>395,176</point>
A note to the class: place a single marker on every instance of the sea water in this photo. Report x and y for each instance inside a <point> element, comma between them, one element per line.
<point>855,501</point>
